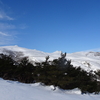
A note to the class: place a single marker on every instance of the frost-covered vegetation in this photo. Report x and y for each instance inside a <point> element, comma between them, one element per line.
<point>59,72</point>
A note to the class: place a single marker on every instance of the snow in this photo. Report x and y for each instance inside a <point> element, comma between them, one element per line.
<point>12,90</point>
<point>88,60</point>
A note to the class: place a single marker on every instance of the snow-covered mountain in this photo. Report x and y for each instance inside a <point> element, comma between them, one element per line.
<point>12,90</point>
<point>87,60</point>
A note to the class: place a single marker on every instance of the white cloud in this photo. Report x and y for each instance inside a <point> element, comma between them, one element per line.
<point>5,41</point>
<point>4,10</point>
<point>23,26</point>
<point>6,26</point>
<point>8,31</point>
<point>6,38</point>
<point>3,34</point>
<point>4,16</point>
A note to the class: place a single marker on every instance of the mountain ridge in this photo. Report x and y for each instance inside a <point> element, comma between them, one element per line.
<point>88,60</point>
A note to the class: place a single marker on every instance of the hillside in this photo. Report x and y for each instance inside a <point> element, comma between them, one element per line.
<point>87,60</point>
<point>44,76</point>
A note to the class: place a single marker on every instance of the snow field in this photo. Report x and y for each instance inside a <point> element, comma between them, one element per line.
<point>10,90</point>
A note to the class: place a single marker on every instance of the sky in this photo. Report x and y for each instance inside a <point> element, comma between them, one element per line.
<point>50,25</point>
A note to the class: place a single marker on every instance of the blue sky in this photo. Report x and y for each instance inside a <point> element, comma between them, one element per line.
<point>50,25</point>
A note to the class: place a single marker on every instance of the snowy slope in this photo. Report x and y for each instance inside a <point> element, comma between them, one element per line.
<point>87,60</point>
<point>10,90</point>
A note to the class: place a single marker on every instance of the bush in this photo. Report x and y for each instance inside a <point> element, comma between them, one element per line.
<point>58,72</point>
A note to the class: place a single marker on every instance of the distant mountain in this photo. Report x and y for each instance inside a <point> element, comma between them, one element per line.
<point>86,60</point>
